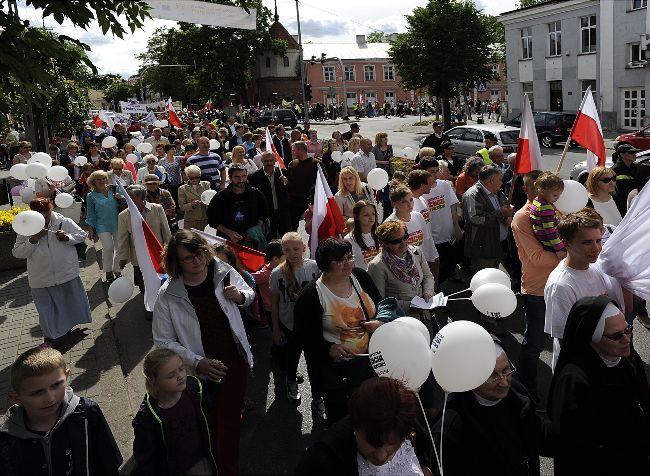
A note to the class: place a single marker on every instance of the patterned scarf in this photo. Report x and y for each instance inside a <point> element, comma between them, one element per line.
<point>403,269</point>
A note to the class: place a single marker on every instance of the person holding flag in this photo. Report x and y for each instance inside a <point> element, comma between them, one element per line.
<point>173,117</point>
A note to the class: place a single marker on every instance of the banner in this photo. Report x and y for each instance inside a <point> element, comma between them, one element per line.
<point>131,107</point>
<point>203,13</point>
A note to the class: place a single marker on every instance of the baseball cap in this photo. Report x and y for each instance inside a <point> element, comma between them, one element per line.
<point>436,124</point>
<point>624,148</point>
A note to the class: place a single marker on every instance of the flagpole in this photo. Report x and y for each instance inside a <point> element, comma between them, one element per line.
<point>568,141</point>
<point>512,188</point>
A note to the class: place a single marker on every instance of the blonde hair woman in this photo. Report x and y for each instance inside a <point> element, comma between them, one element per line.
<point>189,199</point>
<point>601,185</point>
<point>117,171</point>
<point>351,190</point>
<point>238,157</point>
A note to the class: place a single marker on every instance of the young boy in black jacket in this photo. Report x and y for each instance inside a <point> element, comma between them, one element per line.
<point>51,430</point>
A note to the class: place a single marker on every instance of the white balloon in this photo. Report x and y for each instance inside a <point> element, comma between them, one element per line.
<point>337,156</point>
<point>144,147</point>
<point>214,144</point>
<point>132,158</point>
<point>134,142</point>
<point>494,300</point>
<point>80,161</point>
<point>57,173</point>
<point>64,200</point>
<point>416,324</point>
<point>207,196</point>
<point>109,142</point>
<point>41,158</point>
<point>164,123</point>
<point>347,155</point>
<point>463,356</point>
<point>27,194</point>
<point>36,170</point>
<point>157,124</point>
<point>18,171</point>
<point>489,275</point>
<point>120,290</point>
<point>28,223</point>
<point>409,152</point>
<point>377,178</point>
<point>399,351</point>
<point>574,197</point>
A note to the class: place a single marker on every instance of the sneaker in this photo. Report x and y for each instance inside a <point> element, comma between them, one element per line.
<point>318,409</point>
<point>293,394</point>
<point>644,320</point>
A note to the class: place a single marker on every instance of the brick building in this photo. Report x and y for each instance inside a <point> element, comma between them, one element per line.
<point>496,89</point>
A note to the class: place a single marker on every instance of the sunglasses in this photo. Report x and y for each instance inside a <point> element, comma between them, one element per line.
<point>619,335</point>
<point>398,240</point>
<point>607,179</point>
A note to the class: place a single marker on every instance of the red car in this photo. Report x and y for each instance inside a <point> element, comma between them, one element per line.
<point>639,139</point>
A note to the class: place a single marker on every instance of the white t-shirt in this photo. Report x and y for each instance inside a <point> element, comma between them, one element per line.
<point>364,163</point>
<point>363,257</point>
<point>564,287</point>
<point>440,200</point>
<point>609,211</point>
<point>419,235</point>
<point>420,205</point>
<point>286,302</point>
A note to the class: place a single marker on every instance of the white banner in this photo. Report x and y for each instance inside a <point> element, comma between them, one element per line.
<point>203,13</point>
<point>130,107</point>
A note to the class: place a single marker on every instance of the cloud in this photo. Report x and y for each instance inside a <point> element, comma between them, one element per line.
<point>317,28</point>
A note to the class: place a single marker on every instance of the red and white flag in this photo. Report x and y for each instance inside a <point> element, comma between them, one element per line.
<point>588,133</point>
<point>208,105</point>
<point>327,220</point>
<point>269,143</point>
<point>529,155</point>
<point>173,117</point>
<point>148,251</point>
<point>250,259</point>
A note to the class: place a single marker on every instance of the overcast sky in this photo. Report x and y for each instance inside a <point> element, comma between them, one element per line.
<point>321,22</point>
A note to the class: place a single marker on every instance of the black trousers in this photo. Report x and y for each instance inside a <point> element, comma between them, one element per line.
<point>447,260</point>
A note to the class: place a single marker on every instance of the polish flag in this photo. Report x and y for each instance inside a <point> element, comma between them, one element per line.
<point>173,117</point>
<point>327,220</point>
<point>208,105</point>
<point>148,250</point>
<point>529,155</point>
<point>250,259</point>
<point>588,133</point>
<point>97,121</point>
<point>269,143</point>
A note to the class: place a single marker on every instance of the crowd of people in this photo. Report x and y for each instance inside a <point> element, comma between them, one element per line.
<point>442,221</point>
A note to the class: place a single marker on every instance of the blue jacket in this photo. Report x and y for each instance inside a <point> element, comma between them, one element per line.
<point>151,455</point>
<point>80,443</point>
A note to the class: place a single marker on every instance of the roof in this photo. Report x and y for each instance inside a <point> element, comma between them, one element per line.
<point>346,51</point>
<point>279,32</point>
<point>547,2</point>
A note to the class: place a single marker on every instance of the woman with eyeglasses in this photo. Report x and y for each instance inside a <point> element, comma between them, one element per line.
<point>24,153</point>
<point>151,168</point>
<point>335,316</point>
<point>400,271</point>
<point>197,316</point>
<point>599,402</point>
<point>601,185</point>
<point>189,199</point>
<point>498,421</point>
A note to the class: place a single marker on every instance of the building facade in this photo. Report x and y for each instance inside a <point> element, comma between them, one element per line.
<point>557,49</point>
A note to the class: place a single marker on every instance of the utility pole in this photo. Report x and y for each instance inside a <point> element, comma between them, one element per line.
<point>305,109</point>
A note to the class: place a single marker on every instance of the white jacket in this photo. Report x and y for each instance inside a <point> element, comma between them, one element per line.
<point>51,262</point>
<point>176,326</point>
<point>143,172</point>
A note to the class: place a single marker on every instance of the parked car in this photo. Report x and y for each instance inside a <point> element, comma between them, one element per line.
<point>285,116</point>
<point>469,139</point>
<point>552,127</point>
<point>639,139</point>
<point>579,171</point>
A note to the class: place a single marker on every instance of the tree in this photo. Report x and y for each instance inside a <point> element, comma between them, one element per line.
<point>446,45</point>
<point>117,91</point>
<point>377,37</point>
<point>529,3</point>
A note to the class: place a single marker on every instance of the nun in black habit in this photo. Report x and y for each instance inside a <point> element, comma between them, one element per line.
<point>599,403</point>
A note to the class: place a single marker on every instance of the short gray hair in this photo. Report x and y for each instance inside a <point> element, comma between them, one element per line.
<point>495,149</point>
<point>488,171</point>
<point>192,170</point>
<point>138,190</point>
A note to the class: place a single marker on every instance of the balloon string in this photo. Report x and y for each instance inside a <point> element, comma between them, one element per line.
<point>459,292</point>
<point>460,299</point>
<point>442,425</point>
<point>426,420</point>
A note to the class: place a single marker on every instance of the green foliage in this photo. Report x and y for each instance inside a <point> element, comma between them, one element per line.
<point>529,3</point>
<point>376,37</point>
<point>102,81</point>
<point>118,90</point>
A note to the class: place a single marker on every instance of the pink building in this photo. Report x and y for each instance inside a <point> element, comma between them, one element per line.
<point>496,89</point>
<point>369,74</point>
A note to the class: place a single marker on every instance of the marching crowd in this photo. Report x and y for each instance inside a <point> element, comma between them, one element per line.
<point>442,219</point>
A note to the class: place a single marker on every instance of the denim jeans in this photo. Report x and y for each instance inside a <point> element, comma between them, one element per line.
<point>533,343</point>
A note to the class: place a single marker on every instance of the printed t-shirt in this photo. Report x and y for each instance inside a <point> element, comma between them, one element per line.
<point>440,200</point>
<point>419,235</point>
<point>278,285</point>
<point>363,257</point>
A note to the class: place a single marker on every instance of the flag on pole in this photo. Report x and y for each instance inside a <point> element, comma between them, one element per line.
<point>251,259</point>
<point>148,251</point>
<point>588,133</point>
<point>97,121</point>
<point>529,155</point>
<point>173,117</point>
<point>269,143</point>
<point>103,115</point>
<point>208,105</point>
<point>327,219</point>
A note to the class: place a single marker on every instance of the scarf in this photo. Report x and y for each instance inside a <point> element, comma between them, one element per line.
<point>403,269</point>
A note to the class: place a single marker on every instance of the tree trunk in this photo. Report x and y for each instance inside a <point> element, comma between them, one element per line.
<point>446,113</point>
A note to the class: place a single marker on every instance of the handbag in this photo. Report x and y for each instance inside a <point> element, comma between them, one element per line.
<point>388,310</point>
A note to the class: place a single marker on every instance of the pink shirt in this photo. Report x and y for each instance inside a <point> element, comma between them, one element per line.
<point>315,148</point>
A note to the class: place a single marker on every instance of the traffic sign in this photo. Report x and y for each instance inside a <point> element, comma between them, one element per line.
<point>481,85</point>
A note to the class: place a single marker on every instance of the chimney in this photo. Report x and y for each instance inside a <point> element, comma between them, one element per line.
<point>361,40</point>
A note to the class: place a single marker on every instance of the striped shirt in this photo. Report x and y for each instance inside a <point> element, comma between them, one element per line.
<point>543,217</point>
<point>210,166</point>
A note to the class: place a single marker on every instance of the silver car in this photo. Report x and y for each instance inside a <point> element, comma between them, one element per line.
<point>469,139</point>
<point>579,171</point>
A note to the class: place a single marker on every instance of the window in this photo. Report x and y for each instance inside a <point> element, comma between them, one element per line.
<point>389,97</point>
<point>369,72</point>
<point>555,38</point>
<point>268,62</point>
<point>473,135</point>
<point>495,69</point>
<point>588,34</point>
<point>494,93</point>
<point>636,4</point>
<point>328,73</point>
<point>456,134</point>
<point>527,88</point>
<point>349,73</point>
<point>585,84</point>
<point>285,61</point>
<point>636,53</point>
<point>526,43</point>
<point>389,72</point>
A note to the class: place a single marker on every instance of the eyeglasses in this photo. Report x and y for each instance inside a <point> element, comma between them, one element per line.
<point>398,240</point>
<point>619,335</point>
<point>190,259</point>
<point>504,375</point>
<point>608,179</point>
<point>345,259</point>
<point>193,178</point>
